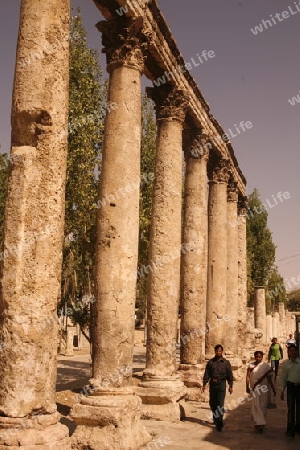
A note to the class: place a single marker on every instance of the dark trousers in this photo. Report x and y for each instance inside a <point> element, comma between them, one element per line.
<point>275,365</point>
<point>217,392</point>
<point>293,403</point>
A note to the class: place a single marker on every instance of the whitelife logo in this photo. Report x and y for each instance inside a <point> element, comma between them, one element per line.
<point>279,17</point>
<point>294,100</point>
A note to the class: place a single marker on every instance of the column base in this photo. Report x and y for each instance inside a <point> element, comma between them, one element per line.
<point>192,376</point>
<point>237,367</point>
<point>161,398</point>
<point>109,420</point>
<point>69,350</point>
<point>40,432</point>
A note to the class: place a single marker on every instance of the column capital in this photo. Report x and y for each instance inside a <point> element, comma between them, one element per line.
<point>170,102</point>
<point>232,192</point>
<point>221,172</point>
<point>243,205</point>
<point>123,42</point>
<point>196,143</point>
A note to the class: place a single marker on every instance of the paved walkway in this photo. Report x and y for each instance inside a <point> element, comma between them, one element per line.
<point>196,432</point>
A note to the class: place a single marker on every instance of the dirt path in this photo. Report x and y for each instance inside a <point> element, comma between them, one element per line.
<point>196,432</point>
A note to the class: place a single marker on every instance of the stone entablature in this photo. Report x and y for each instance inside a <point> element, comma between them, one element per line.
<point>163,56</point>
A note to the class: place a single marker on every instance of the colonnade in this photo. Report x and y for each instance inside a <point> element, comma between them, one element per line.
<point>202,252</point>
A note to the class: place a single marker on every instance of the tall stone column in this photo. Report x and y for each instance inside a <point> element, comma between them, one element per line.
<point>110,418</point>
<point>281,311</point>
<point>250,318</point>
<point>269,327</point>
<point>231,341</point>
<point>277,324</point>
<point>242,274</point>
<point>34,227</point>
<point>260,310</point>
<point>249,334</point>
<point>217,257</point>
<point>194,262</point>
<point>274,325</point>
<point>161,388</point>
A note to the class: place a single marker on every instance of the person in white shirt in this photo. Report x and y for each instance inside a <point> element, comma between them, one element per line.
<point>289,342</point>
<point>258,382</point>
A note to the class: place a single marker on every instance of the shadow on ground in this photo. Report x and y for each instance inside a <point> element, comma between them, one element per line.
<point>72,375</point>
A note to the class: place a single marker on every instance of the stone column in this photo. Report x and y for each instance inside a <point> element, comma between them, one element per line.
<point>231,341</point>
<point>260,310</point>
<point>217,257</point>
<point>161,388</point>
<point>274,325</point>
<point>282,320</point>
<point>232,305</point>
<point>110,418</point>
<point>34,227</point>
<point>290,324</point>
<point>269,327</point>
<point>250,318</point>
<point>242,274</point>
<point>277,325</point>
<point>249,333</point>
<point>71,331</point>
<point>194,262</point>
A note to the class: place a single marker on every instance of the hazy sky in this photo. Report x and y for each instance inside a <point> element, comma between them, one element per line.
<point>251,78</point>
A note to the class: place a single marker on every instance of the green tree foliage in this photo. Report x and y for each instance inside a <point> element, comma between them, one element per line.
<point>275,292</point>
<point>4,166</point>
<point>147,175</point>
<point>260,246</point>
<point>86,124</point>
<point>293,303</point>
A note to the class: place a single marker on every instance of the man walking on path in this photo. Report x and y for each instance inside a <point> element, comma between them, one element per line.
<point>274,355</point>
<point>290,379</point>
<point>217,371</point>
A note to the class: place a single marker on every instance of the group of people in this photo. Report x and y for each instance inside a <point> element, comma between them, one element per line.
<point>260,379</point>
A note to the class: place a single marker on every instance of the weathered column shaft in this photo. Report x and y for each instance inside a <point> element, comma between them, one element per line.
<point>260,310</point>
<point>194,261</point>
<point>250,318</point>
<point>281,310</point>
<point>290,323</point>
<point>217,257</point>
<point>277,324</point>
<point>242,273</point>
<point>274,325</point>
<point>35,211</point>
<point>269,327</point>
<point>34,230</point>
<point>161,388</point>
<point>118,226</point>
<point>232,307</point>
<point>110,418</point>
<point>165,245</point>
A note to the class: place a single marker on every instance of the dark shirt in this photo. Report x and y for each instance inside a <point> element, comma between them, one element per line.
<point>218,369</point>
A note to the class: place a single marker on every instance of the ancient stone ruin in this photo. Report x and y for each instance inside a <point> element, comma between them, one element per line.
<point>198,261</point>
